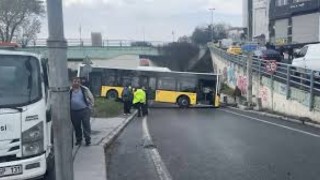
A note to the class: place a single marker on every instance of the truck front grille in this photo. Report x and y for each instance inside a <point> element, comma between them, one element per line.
<point>8,158</point>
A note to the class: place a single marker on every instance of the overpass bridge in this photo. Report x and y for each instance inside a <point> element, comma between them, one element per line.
<point>111,53</point>
<point>78,53</point>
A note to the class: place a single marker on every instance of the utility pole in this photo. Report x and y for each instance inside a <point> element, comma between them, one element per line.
<point>80,33</point>
<point>249,76</point>
<point>173,36</point>
<point>59,87</point>
<point>212,30</point>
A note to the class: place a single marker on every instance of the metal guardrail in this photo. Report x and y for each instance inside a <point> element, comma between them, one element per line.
<point>303,79</point>
<point>105,43</point>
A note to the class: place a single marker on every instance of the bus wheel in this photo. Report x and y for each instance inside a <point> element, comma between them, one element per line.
<point>183,102</point>
<point>112,95</point>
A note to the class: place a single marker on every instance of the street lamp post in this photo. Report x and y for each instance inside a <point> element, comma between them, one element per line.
<point>212,10</point>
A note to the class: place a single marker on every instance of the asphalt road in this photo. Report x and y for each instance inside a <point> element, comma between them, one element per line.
<point>215,144</point>
<point>127,158</point>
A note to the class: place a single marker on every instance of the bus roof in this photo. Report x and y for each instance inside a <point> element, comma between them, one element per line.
<point>152,68</point>
<point>155,69</point>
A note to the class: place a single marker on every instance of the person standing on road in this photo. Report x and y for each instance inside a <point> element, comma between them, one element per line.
<point>81,103</point>
<point>127,97</point>
<point>290,53</point>
<point>138,100</point>
<point>145,104</point>
<point>281,51</point>
<point>237,95</point>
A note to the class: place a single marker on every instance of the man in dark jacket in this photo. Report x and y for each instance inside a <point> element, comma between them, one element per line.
<point>237,95</point>
<point>127,97</point>
<point>81,103</point>
<point>145,105</point>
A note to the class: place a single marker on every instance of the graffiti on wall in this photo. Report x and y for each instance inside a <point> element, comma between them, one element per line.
<point>225,74</point>
<point>242,83</point>
<point>263,94</point>
<point>231,75</point>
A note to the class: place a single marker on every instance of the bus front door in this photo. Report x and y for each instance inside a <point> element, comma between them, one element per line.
<point>95,83</point>
<point>205,93</point>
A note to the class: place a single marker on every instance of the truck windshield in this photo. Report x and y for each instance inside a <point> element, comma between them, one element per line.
<point>19,80</point>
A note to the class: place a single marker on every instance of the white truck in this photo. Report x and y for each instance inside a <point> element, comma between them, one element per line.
<point>25,126</point>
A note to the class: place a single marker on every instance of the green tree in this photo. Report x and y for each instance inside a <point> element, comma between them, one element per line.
<point>177,55</point>
<point>20,18</point>
<point>202,35</point>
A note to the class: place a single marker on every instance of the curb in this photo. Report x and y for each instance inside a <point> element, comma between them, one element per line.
<point>110,138</point>
<point>266,114</point>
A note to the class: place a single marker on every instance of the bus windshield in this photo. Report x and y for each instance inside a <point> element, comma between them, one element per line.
<point>19,81</point>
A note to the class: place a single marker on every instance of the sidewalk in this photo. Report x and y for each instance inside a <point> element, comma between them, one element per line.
<point>89,162</point>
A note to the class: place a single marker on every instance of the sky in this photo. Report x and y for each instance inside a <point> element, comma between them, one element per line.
<point>150,20</point>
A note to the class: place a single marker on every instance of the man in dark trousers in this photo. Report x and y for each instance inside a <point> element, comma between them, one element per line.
<point>139,98</point>
<point>145,105</point>
<point>127,97</point>
<point>237,95</point>
<point>81,103</point>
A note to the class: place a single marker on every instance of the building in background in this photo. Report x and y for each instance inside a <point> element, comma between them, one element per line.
<point>260,20</point>
<point>247,17</point>
<point>96,39</point>
<point>294,22</point>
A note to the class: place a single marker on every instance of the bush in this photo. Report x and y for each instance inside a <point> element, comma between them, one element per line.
<point>225,89</point>
<point>104,108</point>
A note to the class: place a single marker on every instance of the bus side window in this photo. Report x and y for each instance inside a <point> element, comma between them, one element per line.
<point>153,83</point>
<point>167,84</point>
<point>187,85</point>
<point>135,82</point>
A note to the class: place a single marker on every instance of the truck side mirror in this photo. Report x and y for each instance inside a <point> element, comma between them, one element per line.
<point>48,115</point>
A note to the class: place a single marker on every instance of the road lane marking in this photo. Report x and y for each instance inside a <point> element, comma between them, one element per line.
<point>161,168</point>
<point>271,123</point>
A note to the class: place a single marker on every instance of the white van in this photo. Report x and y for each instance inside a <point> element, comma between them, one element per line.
<point>308,57</point>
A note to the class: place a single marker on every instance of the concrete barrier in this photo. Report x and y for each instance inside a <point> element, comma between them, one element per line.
<point>271,93</point>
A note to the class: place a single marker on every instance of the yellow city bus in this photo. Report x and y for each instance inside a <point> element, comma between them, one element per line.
<point>182,88</point>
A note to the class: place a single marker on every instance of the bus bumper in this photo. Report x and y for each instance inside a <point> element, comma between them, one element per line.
<point>31,168</point>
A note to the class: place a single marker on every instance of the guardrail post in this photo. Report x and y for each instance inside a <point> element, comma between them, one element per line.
<point>311,91</point>
<point>288,82</point>
<point>249,76</point>
<point>260,64</point>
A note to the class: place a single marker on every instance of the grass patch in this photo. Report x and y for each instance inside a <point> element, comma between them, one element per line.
<point>225,89</point>
<point>104,108</point>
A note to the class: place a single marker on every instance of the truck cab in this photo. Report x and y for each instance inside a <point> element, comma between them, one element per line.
<point>25,129</point>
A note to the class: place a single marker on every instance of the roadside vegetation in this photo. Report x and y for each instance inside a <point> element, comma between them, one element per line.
<point>105,108</point>
<point>225,89</point>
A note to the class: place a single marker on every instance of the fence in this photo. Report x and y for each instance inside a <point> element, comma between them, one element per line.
<point>105,43</point>
<point>303,79</point>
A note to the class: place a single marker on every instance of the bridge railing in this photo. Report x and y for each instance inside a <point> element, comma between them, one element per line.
<point>300,78</point>
<point>105,43</point>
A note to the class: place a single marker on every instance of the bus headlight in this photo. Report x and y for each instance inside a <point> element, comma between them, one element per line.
<point>32,140</point>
